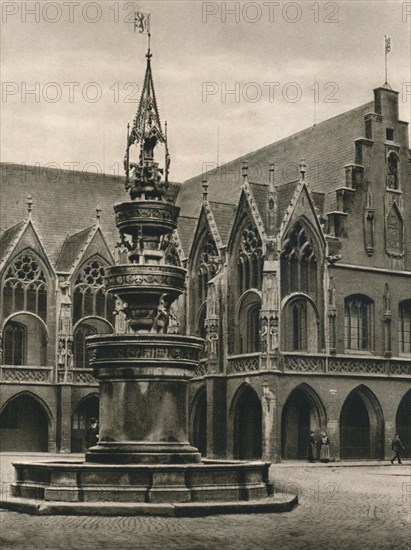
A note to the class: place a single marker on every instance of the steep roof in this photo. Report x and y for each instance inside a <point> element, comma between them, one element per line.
<point>71,248</point>
<point>326,147</point>
<point>186,228</point>
<point>64,204</point>
<point>223,217</point>
<point>8,238</point>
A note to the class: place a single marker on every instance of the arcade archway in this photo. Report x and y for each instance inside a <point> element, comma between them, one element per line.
<point>403,423</point>
<point>302,412</point>
<point>80,421</point>
<point>247,425</point>
<point>361,426</point>
<point>199,422</point>
<point>24,425</point>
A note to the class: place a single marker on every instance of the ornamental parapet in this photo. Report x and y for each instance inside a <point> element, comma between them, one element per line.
<point>14,374</point>
<point>160,217</point>
<point>345,365</point>
<point>247,362</point>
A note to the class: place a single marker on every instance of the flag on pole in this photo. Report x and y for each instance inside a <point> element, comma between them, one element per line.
<point>142,22</point>
<point>387,44</point>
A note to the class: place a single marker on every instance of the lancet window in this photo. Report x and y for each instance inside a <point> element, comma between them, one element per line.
<point>25,287</point>
<point>249,259</point>
<point>299,263</point>
<point>90,296</point>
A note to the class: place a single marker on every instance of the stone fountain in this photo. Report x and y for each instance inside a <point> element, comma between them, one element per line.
<point>144,462</point>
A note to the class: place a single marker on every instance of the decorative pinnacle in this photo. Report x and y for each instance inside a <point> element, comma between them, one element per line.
<point>29,203</point>
<point>98,214</point>
<point>245,169</point>
<point>302,169</point>
<point>205,189</point>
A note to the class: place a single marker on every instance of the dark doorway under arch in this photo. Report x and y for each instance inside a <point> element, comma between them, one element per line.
<point>80,421</point>
<point>361,426</point>
<point>300,415</point>
<point>23,426</point>
<point>403,423</point>
<point>199,426</point>
<point>248,426</point>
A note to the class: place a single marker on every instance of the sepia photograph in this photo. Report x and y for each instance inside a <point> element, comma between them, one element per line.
<point>205,275</point>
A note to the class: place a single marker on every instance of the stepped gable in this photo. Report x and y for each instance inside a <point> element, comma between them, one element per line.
<point>326,147</point>
<point>58,212</point>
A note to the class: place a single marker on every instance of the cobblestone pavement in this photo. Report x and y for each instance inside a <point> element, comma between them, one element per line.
<point>340,508</point>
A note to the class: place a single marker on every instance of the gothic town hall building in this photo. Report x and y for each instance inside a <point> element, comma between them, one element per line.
<point>299,264</point>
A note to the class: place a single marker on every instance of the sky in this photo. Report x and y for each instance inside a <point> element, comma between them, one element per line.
<point>230,77</point>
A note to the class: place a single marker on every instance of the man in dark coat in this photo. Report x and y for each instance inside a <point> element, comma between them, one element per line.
<point>397,447</point>
<point>312,447</point>
<point>92,434</point>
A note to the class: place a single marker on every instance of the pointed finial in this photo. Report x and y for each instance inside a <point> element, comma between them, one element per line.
<point>205,189</point>
<point>271,176</point>
<point>245,169</point>
<point>302,169</point>
<point>98,214</point>
<point>29,203</point>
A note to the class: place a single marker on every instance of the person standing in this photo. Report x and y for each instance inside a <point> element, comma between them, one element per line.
<point>312,447</point>
<point>397,447</point>
<point>92,433</point>
<point>325,448</point>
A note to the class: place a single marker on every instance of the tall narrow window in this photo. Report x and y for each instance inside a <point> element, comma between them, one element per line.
<point>404,327</point>
<point>358,324</point>
<point>14,343</point>
<point>392,171</point>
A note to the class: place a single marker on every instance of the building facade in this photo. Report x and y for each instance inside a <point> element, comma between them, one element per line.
<point>298,279</point>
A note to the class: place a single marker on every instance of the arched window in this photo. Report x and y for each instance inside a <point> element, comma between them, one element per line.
<point>299,271</point>
<point>82,331</point>
<point>392,171</point>
<point>249,259</point>
<point>300,326</point>
<point>15,343</point>
<point>25,287</point>
<point>358,325</point>
<point>247,336</point>
<point>404,327</point>
<point>90,297</point>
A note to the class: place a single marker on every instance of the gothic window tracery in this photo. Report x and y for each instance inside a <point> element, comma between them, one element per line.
<point>249,258</point>
<point>90,297</point>
<point>25,287</point>
<point>358,323</point>
<point>15,343</point>
<point>299,263</point>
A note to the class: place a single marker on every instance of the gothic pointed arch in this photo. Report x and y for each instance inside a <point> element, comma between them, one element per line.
<point>303,411</point>
<point>246,416</point>
<point>25,421</point>
<point>403,423</point>
<point>83,411</point>
<point>247,338</point>
<point>361,425</point>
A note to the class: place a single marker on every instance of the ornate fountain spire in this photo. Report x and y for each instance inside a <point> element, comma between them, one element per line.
<point>146,131</point>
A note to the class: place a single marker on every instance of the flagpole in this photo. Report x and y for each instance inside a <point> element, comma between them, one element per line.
<point>385,49</point>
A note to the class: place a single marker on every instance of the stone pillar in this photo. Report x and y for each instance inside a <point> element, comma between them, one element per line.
<point>271,432</point>
<point>65,419</point>
<point>216,416</point>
